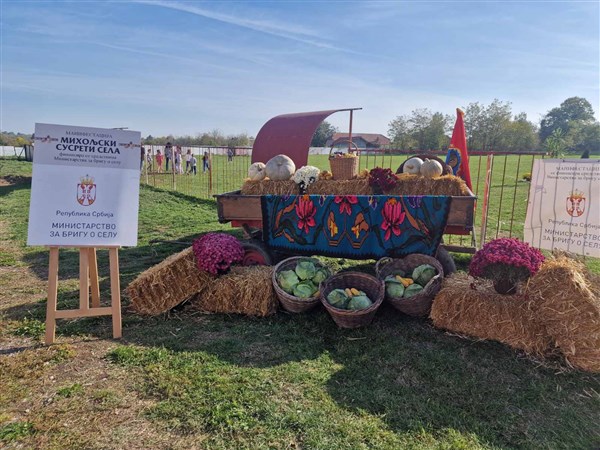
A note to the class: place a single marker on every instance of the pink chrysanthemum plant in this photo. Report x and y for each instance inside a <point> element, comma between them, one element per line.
<point>507,262</point>
<point>216,252</point>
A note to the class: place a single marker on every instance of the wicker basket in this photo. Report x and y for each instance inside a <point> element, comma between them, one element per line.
<point>344,168</point>
<point>289,302</point>
<point>418,305</point>
<point>373,287</point>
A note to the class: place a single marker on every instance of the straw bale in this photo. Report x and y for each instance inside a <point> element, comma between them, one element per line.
<point>472,307</point>
<point>568,302</point>
<point>407,185</point>
<point>266,187</point>
<point>166,285</point>
<point>357,186</point>
<point>244,290</point>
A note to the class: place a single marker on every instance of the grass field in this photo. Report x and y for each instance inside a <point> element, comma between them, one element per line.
<point>227,382</point>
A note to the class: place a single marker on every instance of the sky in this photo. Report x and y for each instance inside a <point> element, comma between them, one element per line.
<point>187,67</point>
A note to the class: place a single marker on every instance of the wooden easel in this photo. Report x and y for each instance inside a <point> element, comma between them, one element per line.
<point>88,280</point>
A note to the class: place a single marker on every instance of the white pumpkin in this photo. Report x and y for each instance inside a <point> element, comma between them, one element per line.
<point>431,168</point>
<point>256,171</point>
<point>413,165</point>
<point>280,167</point>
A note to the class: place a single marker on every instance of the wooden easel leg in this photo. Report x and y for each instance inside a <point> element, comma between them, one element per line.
<point>93,264</point>
<point>115,291</point>
<point>84,280</point>
<point>52,295</point>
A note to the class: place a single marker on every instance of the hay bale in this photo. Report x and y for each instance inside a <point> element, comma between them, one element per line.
<point>407,185</point>
<point>568,302</point>
<point>166,285</point>
<point>472,307</point>
<point>357,186</point>
<point>266,187</point>
<point>244,290</point>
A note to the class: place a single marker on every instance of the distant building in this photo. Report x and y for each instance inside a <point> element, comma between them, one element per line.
<point>363,141</point>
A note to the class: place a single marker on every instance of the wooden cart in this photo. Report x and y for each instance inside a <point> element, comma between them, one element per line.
<point>293,132</point>
<point>245,211</point>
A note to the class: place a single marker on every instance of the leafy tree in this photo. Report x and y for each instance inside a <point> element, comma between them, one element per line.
<point>584,136</point>
<point>571,111</point>
<point>400,133</point>
<point>423,130</point>
<point>497,120</point>
<point>521,135</point>
<point>323,134</point>
<point>555,143</point>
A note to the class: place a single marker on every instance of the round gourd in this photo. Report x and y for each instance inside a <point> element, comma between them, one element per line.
<point>413,165</point>
<point>256,171</point>
<point>431,168</point>
<point>280,168</point>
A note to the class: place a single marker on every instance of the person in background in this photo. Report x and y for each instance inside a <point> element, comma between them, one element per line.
<point>230,153</point>
<point>178,160</point>
<point>142,158</point>
<point>188,161</point>
<point>193,164</point>
<point>159,161</point>
<point>205,164</point>
<point>168,154</point>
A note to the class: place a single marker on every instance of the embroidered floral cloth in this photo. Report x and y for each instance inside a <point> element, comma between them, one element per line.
<point>354,226</point>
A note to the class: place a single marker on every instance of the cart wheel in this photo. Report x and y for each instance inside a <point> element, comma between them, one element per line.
<point>256,254</point>
<point>446,260</point>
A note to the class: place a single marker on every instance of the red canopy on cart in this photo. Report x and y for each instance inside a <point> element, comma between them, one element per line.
<point>289,134</point>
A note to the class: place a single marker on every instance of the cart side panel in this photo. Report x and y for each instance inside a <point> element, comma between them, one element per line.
<point>461,212</point>
<point>240,208</point>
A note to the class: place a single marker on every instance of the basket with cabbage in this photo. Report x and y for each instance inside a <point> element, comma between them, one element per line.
<point>411,282</point>
<point>296,281</point>
<point>352,298</point>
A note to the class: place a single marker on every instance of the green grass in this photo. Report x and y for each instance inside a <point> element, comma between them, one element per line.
<point>288,381</point>
<point>14,431</point>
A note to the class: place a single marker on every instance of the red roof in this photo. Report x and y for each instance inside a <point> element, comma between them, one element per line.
<point>288,134</point>
<point>371,138</point>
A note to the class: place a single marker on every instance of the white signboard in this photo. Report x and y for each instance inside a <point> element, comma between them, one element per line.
<point>85,187</point>
<point>564,206</point>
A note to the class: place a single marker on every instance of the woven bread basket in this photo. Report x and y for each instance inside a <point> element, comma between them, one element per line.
<point>344,168</point>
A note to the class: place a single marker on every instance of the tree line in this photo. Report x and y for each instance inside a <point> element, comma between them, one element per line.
<point>567,128</point>
<point>570,127</point>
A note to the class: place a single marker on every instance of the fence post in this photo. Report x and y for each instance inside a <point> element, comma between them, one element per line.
<point>210,171</point>
<point>486,197</point>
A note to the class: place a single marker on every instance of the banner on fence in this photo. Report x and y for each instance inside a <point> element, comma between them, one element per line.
<point>564,206</point>
<point>85,187</point>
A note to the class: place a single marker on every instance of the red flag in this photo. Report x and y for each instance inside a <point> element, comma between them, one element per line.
<point>457,157</point>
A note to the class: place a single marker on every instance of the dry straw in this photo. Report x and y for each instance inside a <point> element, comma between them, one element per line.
<point>407,185</point>
<point>567,300</point>
<point>244,290</point>
<point>167,284</point>
<point>471,307</point>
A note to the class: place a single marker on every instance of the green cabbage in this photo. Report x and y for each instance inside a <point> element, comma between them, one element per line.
<point>305,270</point>
<point>287,279</point>
<point>321,275</point>
<point>305,289</point>
<point>412,290</point>
<point>400,272</point>
<point>359,302</point>
<point>338,298</point>
<point>423,274</point>
<point>393,288</point>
